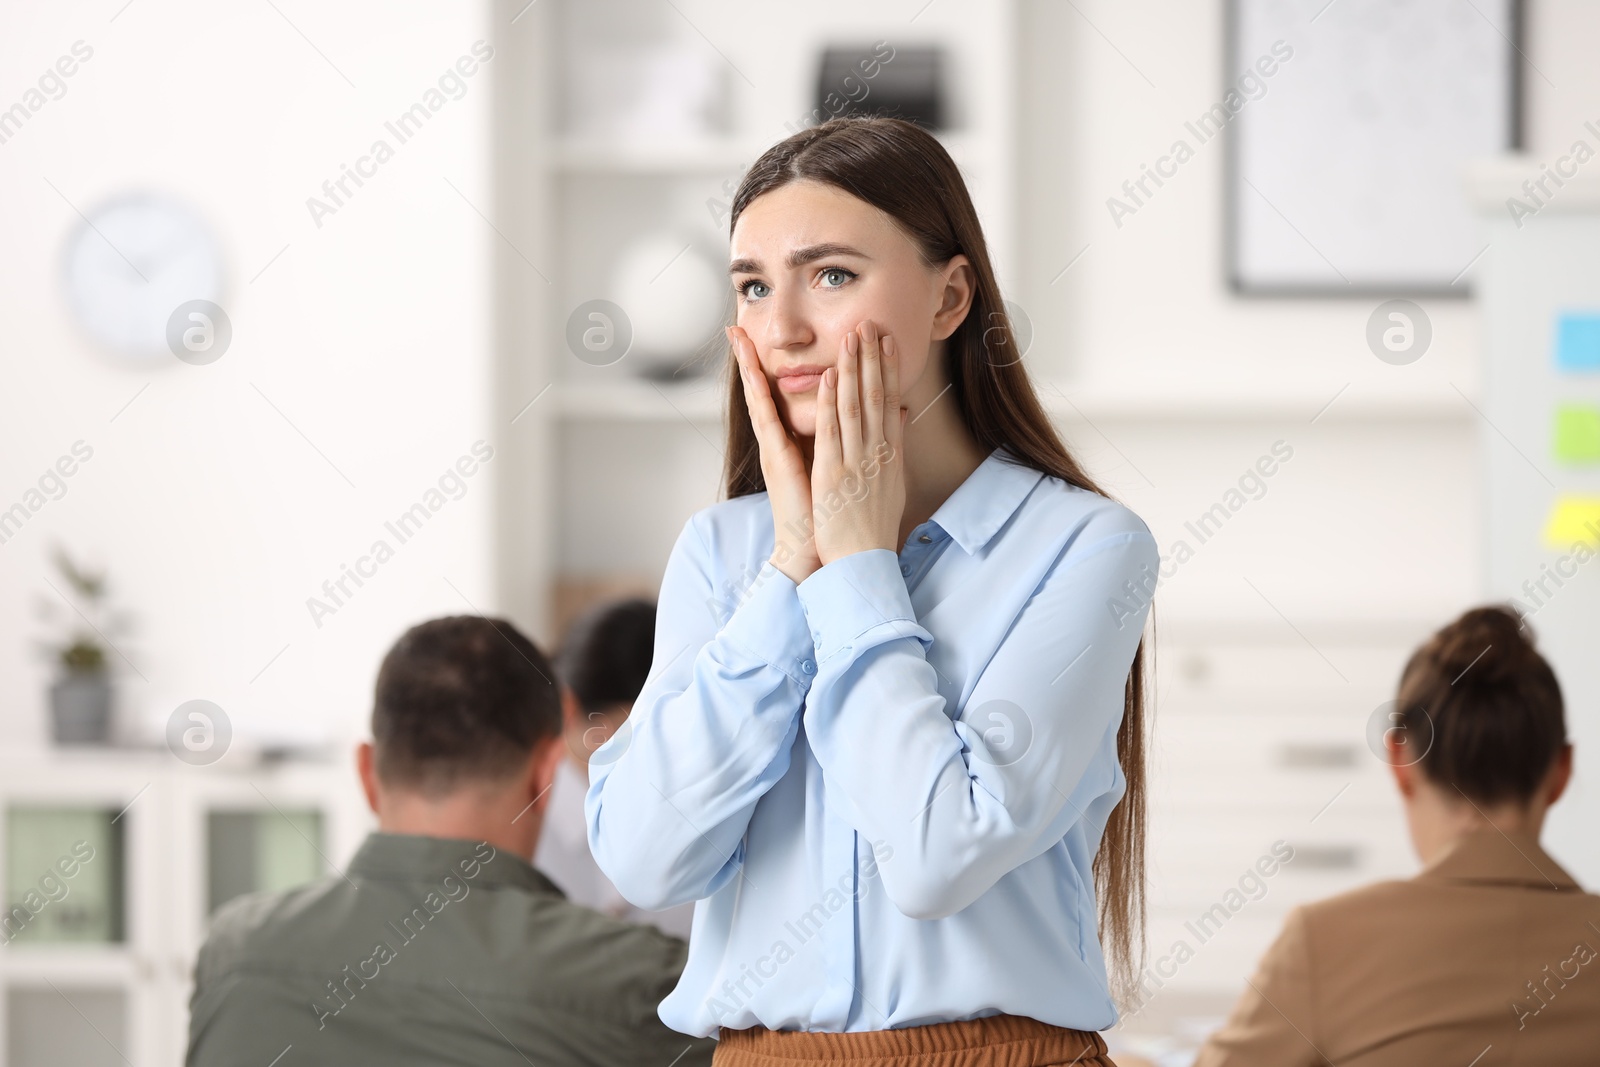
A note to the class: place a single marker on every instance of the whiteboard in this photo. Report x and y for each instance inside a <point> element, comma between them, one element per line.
<point>1346,167</point>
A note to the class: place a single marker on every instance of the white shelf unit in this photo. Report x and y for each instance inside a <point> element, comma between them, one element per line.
<point>127,1002</point>
<point>602,447</point>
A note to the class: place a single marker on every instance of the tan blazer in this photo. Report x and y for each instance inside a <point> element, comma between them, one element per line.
<point>1489,957</point>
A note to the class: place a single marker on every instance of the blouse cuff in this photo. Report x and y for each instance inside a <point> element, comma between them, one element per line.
<point>858,601</point>
<point>770,625</point>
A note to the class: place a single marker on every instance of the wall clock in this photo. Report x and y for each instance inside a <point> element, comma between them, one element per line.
<point>132,264</point>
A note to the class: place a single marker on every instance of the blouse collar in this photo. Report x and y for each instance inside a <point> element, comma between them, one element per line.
<point>985,502</point>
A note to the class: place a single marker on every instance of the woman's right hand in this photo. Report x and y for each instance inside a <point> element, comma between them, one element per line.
<point>782,466</point>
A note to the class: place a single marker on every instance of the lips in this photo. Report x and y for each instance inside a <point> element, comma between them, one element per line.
<point>801,378</point>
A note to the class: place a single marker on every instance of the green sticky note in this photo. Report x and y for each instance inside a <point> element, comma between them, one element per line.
<point>1577,433</point>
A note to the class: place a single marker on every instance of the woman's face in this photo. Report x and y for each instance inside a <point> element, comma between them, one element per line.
<point>809,263</point>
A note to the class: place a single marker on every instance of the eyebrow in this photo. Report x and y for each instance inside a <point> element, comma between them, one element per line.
<point>799,257</point>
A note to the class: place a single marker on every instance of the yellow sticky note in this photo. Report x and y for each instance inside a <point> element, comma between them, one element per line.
<point>1577,433</point>
<point>1573,520</point>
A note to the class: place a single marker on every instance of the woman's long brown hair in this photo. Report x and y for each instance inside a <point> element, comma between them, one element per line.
<point>903,170</point>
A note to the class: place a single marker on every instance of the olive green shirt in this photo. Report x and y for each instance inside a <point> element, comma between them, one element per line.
<point>433,951</point>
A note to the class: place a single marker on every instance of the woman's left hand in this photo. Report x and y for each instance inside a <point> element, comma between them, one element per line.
<point>858,492</point>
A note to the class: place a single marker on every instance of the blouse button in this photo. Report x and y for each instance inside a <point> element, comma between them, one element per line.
<point>808,667</point>
<point>925,539</point>
<point>905,569</point>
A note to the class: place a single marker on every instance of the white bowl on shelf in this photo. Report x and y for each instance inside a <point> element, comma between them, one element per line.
<point>675,300</point>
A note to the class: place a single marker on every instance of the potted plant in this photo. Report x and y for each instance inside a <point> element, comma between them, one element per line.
<point>80,698</point>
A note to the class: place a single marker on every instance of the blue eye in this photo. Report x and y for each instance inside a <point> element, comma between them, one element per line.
<point>744,287</point>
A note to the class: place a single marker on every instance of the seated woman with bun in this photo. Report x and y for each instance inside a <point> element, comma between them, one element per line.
<point>1489,955</point>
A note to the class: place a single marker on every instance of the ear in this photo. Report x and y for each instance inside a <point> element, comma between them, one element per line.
<point>1560,774</point>
<point>1404,772</point>
<point>956,288</point>
<point>366,768</point>
<point>543,762</point>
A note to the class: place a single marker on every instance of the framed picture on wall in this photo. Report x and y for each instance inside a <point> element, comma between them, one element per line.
<point>1349,123</point>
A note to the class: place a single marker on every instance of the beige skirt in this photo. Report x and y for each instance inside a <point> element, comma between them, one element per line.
<point>992,1041</point>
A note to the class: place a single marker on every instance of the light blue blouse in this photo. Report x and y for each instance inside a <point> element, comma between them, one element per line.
<point>885,786</point>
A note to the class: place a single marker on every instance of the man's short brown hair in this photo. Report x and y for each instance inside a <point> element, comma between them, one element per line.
<point>461,699</point>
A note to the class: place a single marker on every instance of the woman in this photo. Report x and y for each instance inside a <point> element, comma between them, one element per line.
<point>893,742</point>
<point>1489,955</point>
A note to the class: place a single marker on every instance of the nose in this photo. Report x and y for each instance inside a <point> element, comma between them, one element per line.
<point>785,325</point>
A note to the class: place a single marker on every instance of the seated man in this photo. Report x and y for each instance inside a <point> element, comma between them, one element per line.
<point>440,943</point>
<point>1491,955</point>
<point>603,664</point>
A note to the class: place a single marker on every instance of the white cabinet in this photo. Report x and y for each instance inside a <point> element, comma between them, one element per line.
<point>1265,793</point>
<point>106,863</point>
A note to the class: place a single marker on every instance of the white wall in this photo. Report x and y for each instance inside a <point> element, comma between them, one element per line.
<point>215,516</point>
<point>1376,517</point>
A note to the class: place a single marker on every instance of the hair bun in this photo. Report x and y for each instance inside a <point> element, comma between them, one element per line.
<point>1492,703</point>
<point>1490,642</point>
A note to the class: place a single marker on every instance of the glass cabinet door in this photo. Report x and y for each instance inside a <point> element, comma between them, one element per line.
<point>248,851</point>
<point>63,876</point>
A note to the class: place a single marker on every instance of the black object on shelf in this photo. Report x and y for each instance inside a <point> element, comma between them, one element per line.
<point>880,79</point>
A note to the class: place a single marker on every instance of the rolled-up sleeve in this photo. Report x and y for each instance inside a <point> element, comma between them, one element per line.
<point>962,799</point>
<point>671,793</point>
